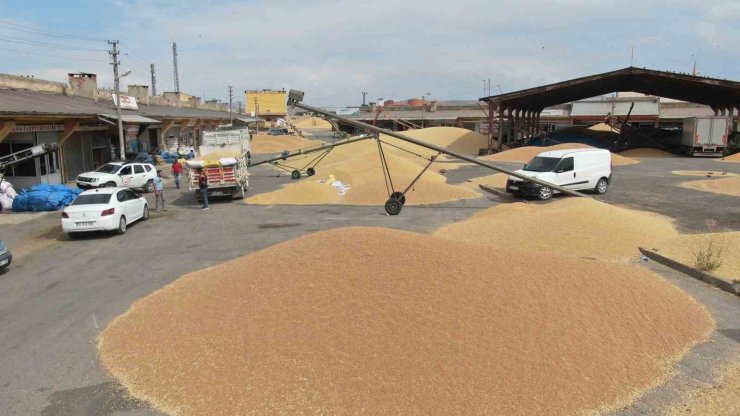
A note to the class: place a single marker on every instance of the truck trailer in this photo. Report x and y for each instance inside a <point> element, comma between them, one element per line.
<point>705,136</point>
<point>224,156</point>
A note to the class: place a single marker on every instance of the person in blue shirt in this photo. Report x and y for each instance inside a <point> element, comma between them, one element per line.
<point>159,191</point>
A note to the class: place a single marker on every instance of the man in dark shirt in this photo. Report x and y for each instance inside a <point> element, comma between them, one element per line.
<point>203,185</point>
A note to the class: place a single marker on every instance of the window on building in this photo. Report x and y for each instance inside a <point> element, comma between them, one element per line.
<point>53,164</point>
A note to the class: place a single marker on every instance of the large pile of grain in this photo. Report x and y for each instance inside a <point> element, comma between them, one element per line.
<point>312,123</point>
<point>358,166</point>
<point>451,138</point>
<point>646,152</point>
<point>726,186</point>
<point>577,227</point>
<point>527,153</point>
<point>380,321</point>
<point>716,399</point>
<point>265,143</point>
<point>684,249</point>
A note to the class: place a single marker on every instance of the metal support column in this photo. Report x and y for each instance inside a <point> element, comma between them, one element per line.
<point>501,110</point>
<point>510,129</point>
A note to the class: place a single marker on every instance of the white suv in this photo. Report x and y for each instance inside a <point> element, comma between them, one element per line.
<point>119,174</point>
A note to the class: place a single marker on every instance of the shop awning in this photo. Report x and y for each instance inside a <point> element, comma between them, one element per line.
<point>130,119</point>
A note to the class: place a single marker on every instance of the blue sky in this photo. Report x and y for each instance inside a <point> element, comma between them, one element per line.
<point>334,50</point>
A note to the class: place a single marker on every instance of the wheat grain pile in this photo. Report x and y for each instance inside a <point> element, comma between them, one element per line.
<point>265,143</point>
<point>527,153</point>
<point>379,321</point>
<point>451,138</point>
<point>703,173</point>
<point>732,158</point>
<point>716,399</point>
<point>684,249</point>
<point>724,186</point>
<point>576,227</point>
<point>312,123</point>
<point>358,165</point>
<point>646,152</point>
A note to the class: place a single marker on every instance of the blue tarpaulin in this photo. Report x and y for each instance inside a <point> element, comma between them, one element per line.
<point>45,197</point>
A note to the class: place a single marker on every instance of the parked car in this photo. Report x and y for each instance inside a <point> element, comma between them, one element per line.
<point>104,209</point>
<point>117,174</point>
<point>5,257</point>
<point>576,169</point>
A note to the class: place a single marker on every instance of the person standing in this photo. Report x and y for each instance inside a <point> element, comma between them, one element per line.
<point>159,191</point>
<point>203,185</point>
<point>177,172</point>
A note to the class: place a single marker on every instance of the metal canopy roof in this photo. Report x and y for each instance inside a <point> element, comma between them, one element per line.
<point>131,118</point>
<point>716,93</point>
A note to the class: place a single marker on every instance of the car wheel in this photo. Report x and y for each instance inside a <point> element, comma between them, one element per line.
<point>145,215</point>
<point>110,184</point>
<point>601,186</point>
<point>121,226</point>
<point>545,193</point>
<point>149,187</point>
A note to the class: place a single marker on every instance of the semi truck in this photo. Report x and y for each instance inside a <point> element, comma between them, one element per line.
<point>224,156</point>
<point>704,136</point>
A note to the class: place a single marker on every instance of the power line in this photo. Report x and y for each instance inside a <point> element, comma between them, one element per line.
<point>46,44</point>
<point>53,56</point>
<point>31,29</point>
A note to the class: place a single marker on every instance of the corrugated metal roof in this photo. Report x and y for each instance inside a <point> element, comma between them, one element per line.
<point>602,108</point>
<point>428,115</point>
<point>131,118</point>
<point>21,102</point>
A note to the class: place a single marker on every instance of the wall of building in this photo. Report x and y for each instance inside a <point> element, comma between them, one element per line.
<point>32,84</point>
<point>269,102</point>
<point>84,85</point>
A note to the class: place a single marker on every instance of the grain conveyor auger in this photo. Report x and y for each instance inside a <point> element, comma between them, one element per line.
<point>24,155</point>
<point>397,199</point>
<point>310,167</point>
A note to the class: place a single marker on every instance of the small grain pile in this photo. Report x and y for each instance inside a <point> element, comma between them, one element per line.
<point>358,166</point>
<point>715,399</point>
<point>576,227</point>
<point>527,153</point>
<point>313,123</point>
<point>732,158</point>
<point>724,186</point>
<point>646,152</point>
<point>705,173</point>
<point>265,143</point>
<point>379,321</point>
<point>684,249</point>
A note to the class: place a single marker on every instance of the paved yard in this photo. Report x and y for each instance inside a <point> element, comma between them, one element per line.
<point>60,293</point>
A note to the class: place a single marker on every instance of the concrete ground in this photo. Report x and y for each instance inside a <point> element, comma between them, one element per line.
<point>59,293</point>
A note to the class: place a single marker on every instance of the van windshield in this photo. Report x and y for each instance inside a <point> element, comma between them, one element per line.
<point>542,164</point>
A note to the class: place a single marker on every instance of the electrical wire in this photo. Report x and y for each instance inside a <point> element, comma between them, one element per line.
<point>46,44</point>
<point>35,30</point>
<point>53,56</point>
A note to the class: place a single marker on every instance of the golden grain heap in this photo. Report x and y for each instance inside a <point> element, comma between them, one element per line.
<point>380,321</point>
<point>265,143</point>
<point>527,153</point>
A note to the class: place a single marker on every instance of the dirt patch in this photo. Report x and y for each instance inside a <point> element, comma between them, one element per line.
<point>724,186</point>
<point>527,153</point>
<point>390,322</point>
<point>576,227</point>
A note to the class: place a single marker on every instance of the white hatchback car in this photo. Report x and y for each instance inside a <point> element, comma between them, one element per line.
<point>104,209</point>
<point>126,174</point>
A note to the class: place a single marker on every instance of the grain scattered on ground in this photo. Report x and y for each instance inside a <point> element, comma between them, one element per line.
<point>527,153</point>
<point>576,227</point>
<point>720,398</point>
<point>684,248</point>
<point>706,173</point>
<point>379,321</point>
<point>265,143</point>
<point>721,185</point>
<point>732,158</point>
<point>646,152</point>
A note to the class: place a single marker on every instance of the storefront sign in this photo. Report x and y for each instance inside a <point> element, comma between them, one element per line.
<point>37,128</point>
<point>127,102</point>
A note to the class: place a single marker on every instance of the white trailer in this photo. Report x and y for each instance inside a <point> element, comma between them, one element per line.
<point>705,136</point>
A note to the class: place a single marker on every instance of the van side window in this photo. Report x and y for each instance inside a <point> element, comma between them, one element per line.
<point>566,164</point>
<point>138,169</point>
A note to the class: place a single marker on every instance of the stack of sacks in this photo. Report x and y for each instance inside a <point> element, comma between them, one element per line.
<point>7,193</point>
<point>45,197</point>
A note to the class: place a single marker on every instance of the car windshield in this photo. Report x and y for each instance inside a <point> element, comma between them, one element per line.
<point>542,164</point>
<point>92,199</point>
<point>108,168</point>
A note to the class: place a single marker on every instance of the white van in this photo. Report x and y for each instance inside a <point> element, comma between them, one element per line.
<point>576,169</point>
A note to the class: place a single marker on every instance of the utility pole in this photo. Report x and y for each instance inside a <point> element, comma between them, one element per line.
<point>231,99</point>
<point>154,81</point>
<point>115,62</point>
<point>174,61</point>
<point>632,56</point>
<point>239,103</point>
<point>364,94</point>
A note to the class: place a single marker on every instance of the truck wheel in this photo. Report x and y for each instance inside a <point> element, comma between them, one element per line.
<point>601,186</point>
<point>393,206</point>
<point>545,193</point>
<point>295,174</point>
